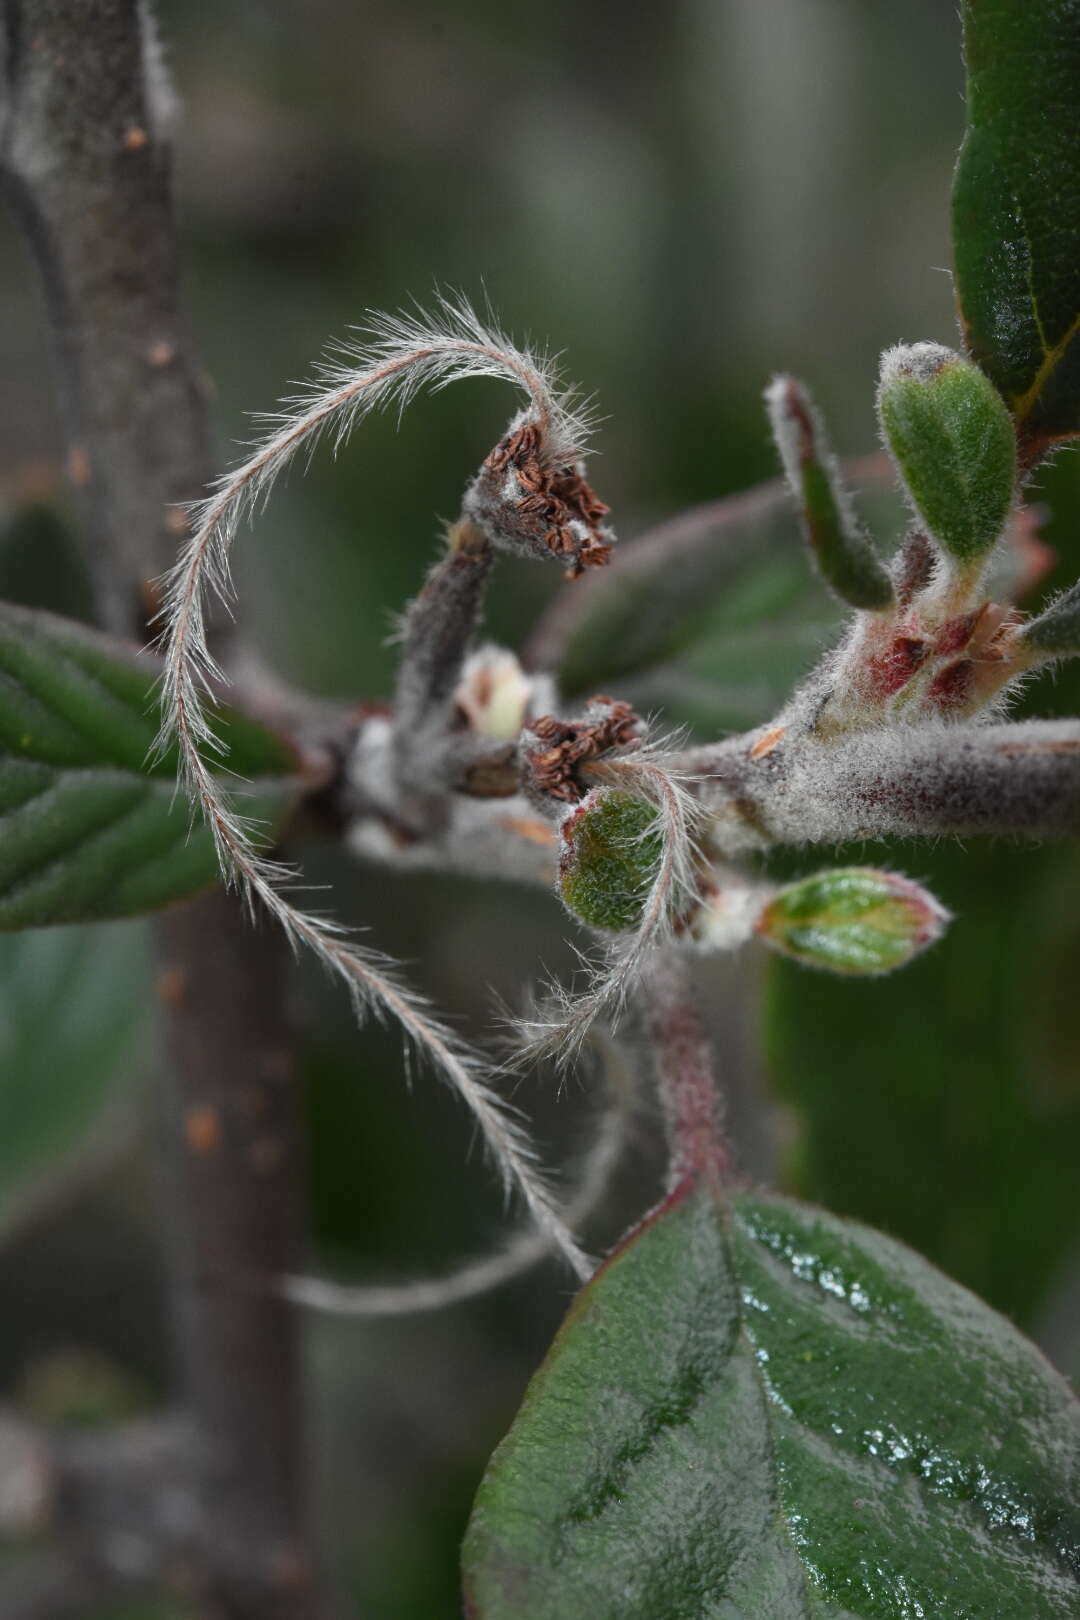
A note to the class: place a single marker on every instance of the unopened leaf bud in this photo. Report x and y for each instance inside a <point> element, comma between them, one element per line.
<point>611,846</point>
<point>497,697</point>
<point>853,920</point>
<point>952,438</point>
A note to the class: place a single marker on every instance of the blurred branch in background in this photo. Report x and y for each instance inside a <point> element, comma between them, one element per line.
<point>86,158</point>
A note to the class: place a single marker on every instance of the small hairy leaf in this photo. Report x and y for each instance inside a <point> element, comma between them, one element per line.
<point>852,919</point>
<point>1056,631</point>
<point>611,848</point>
<point>90,825</point>
<point>954,444</point>
<point>838,542</point>
<point>1016,208</point>
<point>778,1415</point>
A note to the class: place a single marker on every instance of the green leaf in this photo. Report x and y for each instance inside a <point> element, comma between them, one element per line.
<point>1056,631</point>
<point>73,1005</point>
<point>781,1416</point>
<point>90,825</point>
<point>1016,208</point>
<point>840,545</point>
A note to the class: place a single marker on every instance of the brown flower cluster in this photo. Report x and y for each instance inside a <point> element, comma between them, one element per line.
<point>569,744</point>
<point>557,508</point>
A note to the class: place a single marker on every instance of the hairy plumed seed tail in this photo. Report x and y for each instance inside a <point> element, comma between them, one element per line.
<point>522,1251</point>
<point>402,353</point>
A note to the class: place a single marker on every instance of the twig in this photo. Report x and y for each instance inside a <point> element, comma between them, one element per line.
<point>86,157</point>
<point>438,628</point>
<point>85,161</point>
<point>684,1072</point>
<point>242,1193</point>
<point>1016,780</point>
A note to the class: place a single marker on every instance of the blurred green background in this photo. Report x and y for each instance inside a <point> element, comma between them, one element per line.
<point>682,199</point>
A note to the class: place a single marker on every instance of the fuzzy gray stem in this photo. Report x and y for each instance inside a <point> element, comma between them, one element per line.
<point>85,156</point>
<point>1019,780</point>
<point>683,1062</point>
<point>439,626</point>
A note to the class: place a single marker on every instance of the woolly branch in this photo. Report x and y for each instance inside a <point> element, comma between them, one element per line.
<point>489,838</point>
<point>438,627</point>
<point>84,157</point>
<point>684,1072</point>
<point>404,353</point>
<point>1020,780</point>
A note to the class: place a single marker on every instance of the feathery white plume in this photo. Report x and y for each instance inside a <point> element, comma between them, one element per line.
<point>403,353</point>
<point>522,1250</point>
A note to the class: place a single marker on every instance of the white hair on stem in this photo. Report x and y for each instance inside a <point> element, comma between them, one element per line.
<point>403,352</point>
<point>557,1034</point>
<point>523,1250</point>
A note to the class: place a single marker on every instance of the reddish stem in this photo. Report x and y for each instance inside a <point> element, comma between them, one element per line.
<point>683,1062</point>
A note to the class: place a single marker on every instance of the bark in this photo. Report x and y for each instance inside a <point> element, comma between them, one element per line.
<point>84,149</point>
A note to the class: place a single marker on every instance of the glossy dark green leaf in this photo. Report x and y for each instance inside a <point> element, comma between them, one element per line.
<point>90,825</point>
<point>73,1007</point>
<point>1016,207</point>
<point>783,1416</point>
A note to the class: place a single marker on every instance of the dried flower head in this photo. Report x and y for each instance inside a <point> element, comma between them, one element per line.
<point>533,498</point>
<point>554,751</point>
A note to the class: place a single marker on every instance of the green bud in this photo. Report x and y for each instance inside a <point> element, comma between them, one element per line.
<point>840,547</point>
<point>853,919</point>
<point>952,438</point>
<point>611,848</point>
